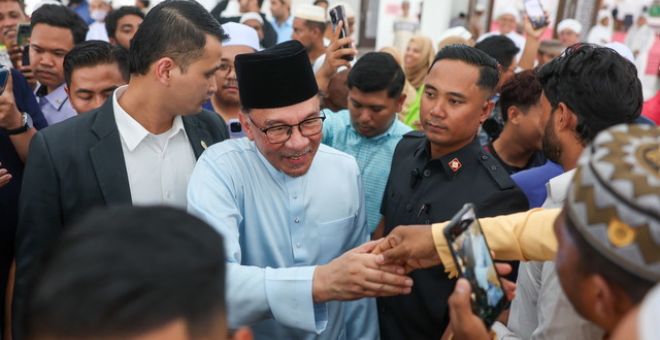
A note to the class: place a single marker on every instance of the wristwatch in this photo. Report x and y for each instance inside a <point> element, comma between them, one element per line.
<point>21,129</point>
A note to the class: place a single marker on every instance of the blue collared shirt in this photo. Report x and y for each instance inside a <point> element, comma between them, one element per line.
<point>373,155</point>
<point>276,230</point>
<point>284,31</point>
<point>55,106</point>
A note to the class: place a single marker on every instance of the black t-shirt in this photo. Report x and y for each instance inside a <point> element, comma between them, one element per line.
<point>537,159</point>
<point>421,190</point>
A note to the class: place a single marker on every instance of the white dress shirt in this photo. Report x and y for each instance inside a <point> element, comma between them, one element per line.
<point>158,166</point>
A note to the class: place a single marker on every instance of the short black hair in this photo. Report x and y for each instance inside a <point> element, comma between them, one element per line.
<point>501,48</point>
<point>599,85</point>
<point>145,3</point>
<point>377,71</point>
<point>63,17</point>
<point>489,74</point>
<point>175,29</point>
<point>523,91</point>
<point>317,2</point>
<point>115,15</point>
<point>92,53</point>
<point>590,261</point>
<point>123,271</point>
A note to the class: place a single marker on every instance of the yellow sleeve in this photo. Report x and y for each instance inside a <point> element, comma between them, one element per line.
<point>527,236</point>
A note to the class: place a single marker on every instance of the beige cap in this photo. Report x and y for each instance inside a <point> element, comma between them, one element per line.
<point>310,12</point>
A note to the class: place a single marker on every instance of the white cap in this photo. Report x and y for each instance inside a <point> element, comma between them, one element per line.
<point>622,49</point>
<point>310,12</point>
<point>602,14</point>
<point>251,16</point>
<point>46,2</point>
<point>511,10</point>
<point>240,35</point>
<point>348,10</point>
<point>458,31</point>
<point>479,7</point>
<point>570,24</point>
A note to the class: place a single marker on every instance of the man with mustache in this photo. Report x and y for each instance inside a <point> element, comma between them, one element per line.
<point>55,30</point>
<point>226,101</point>
<point>435,172</point>
<point>290,211</point>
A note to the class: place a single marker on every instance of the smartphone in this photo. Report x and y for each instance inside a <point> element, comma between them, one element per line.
<point>536,13</point>
<point>4,76</point>
<point>337,14</point>
<point>472,256</point>
<point>25,57</point>
<point>24,31</point>
<point>235,128</point>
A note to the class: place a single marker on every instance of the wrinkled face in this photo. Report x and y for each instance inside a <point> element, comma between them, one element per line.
<point>189,89</point>
<point>304,34</point>
<point>48,46</point>
<point>293,157</point>
<point>550,142</point>
<point>453,106</point>
<point>257,26</point>
<point>568,37</point>
<point>372,113</point>
<point>91,86</point>
<point>507,23</point>
<point>227,91</point>
<point>413,55</point>
<point>11,15</point>
<point>126,28</point>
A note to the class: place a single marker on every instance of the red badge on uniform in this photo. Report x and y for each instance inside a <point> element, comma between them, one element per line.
<point>455,164</point>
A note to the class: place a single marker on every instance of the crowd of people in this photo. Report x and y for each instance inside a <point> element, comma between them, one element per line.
<point>182,174</point>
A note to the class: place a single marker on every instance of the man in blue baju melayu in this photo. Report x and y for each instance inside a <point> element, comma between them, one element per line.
<point>291,212</point>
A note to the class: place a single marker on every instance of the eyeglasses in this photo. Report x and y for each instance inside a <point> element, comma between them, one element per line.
<point>279,134</point>
<point>225,67</point>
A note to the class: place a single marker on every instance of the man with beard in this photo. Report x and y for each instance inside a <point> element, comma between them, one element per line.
<point>581,97</point>
<point>290,210</point>
<point>436,172</point>
<point>139,147</point>
<point>226,100</point>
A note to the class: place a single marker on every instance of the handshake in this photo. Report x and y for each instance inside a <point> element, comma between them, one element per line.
<point>377,268</point>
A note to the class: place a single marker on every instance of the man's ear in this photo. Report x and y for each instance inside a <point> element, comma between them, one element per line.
<point>242,333</point>
<point>245,125</point>
<point>400,101</point>
<point>513,114</point>
<point>164,68</point>
<point>486,110</point>
<point>566,120</point>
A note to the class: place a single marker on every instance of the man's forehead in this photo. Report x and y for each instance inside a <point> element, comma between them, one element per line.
<point>453,75</point>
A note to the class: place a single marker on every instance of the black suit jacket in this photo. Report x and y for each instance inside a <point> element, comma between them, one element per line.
<point>75,166</point>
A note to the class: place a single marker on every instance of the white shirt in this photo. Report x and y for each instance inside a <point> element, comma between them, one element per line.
<point>541,310</point>
<point>97,32</point>
<point>599,35</point>
<point>158,166</point>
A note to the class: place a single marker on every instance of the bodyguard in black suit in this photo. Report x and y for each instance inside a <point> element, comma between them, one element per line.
<point>83,162</point>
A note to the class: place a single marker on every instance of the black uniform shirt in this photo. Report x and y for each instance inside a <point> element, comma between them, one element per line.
<point>421,190</point>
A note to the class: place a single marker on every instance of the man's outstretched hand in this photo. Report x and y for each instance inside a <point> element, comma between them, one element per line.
<point>409,246</point>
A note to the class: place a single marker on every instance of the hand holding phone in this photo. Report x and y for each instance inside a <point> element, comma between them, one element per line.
<point>536,14</point>
<point>24,31</point>
<point>337,14</point>
<point>470,251</point>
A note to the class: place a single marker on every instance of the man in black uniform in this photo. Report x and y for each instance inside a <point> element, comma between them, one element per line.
<point>434,173</point>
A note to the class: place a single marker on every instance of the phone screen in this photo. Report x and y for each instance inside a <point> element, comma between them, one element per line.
<point>4,75</point>
<point>535,13</point>
<point>337,14</point>
<point>472,256</point>
<point>24,31</point>
<point>235,128</point>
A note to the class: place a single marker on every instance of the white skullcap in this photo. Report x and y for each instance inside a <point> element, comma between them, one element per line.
<point>251,16</point>
<point>348,10</point>
<point>240,35</point>
<point>570,24</point>
<point>511,10</point>
<point>458,31</point>
<point>479,7</point>
<point>622,49</point>
<point>602,14</point>
<point>310,12</point>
